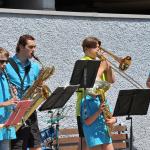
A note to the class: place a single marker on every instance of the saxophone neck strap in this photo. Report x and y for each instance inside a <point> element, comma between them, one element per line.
<point>15,67</point>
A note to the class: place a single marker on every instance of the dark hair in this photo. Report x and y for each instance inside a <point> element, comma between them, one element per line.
<point>4,52</point>
<point>23,41</point>
<point>90,42</point>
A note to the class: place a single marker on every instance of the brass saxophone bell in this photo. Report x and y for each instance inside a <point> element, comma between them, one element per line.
<point>99,86</point>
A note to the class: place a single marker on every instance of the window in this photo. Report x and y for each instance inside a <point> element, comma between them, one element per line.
<point>28,4</point>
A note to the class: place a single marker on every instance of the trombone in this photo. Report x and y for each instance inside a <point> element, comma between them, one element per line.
<point>124,64</point>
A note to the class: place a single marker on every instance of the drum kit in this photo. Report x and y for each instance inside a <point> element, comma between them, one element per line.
<point>56,102</point>
<point>49,135</point>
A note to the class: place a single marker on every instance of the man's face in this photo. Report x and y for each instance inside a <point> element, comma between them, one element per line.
<point>3,62</point>
<point>28,49</point>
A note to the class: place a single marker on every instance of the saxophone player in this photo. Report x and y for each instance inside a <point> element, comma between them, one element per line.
<point>22,73</point>
<point>91,109</point>
<point>6,101</point>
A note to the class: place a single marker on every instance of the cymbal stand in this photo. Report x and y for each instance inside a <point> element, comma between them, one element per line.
<point>50,143</point>
<point>57,131</point>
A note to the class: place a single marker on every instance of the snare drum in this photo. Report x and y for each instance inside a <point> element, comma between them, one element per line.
<point>47,134</point>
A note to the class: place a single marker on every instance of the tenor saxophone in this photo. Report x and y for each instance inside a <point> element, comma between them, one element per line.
<point>38,92</point>
<point>99,89</point>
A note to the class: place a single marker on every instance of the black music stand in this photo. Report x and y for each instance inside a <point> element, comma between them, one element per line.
<point>132,102</point>
<point>84,74</point>
<point>57,100</point>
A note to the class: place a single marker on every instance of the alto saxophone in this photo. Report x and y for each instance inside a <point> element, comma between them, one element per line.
<point>99,89</point>
<point>38,92</point>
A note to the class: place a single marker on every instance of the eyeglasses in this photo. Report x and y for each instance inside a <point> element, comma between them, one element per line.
<point>3,61</point>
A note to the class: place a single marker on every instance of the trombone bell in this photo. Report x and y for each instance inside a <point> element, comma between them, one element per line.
<point>124,63</point>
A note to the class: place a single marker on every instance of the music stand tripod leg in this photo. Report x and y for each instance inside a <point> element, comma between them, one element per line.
<point>84,96</point>
<point>57,132</point>
<point>131,132</point>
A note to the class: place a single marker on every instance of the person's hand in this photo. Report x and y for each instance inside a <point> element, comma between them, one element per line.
<point>106,65</point>
<point>12,101</point>
<point>111,121</point>
<point>1,125</point>
<point>101,108</point>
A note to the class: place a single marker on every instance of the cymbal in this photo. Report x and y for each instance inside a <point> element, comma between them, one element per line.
<point>55,119</point>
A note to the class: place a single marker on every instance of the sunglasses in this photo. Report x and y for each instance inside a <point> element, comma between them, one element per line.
<point>3,61</point>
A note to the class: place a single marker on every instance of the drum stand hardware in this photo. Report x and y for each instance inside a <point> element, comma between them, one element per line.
<point>57,100</point>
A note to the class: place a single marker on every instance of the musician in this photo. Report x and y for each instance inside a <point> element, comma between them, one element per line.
<point>90,120</point>
<point>22,73</point>
<point>6,101</point>
<point>148,81</point>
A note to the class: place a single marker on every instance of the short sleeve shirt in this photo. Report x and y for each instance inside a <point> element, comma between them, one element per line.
<point>28,79</point>
<point>5,133</point>
<point>95,133</point>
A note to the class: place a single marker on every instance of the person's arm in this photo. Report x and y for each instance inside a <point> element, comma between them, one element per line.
<point>12,101</point>
<point>148,82</point>
<point>105,67</point>
<point>111,121</point>
<point>109,73</point>
<point>92,118</point>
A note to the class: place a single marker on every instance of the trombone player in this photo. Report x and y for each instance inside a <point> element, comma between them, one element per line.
<point>90,119</point>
